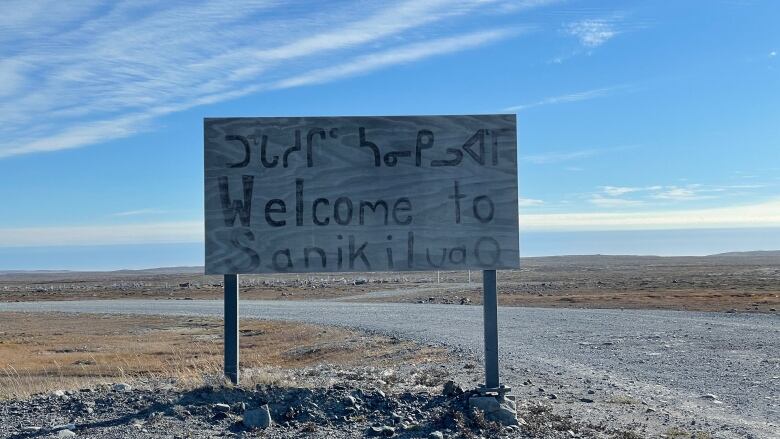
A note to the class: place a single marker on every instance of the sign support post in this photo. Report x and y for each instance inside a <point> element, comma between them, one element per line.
<point>231,327</point>
<point>490,309</point>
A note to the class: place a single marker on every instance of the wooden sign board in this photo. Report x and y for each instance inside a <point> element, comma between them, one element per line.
<point>341,194</point>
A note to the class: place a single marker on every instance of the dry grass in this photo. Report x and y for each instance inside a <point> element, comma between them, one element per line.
<point>47,351</point>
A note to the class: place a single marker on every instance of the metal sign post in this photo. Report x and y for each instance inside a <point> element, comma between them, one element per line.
<point>490,309</point>
<point>231,327</point>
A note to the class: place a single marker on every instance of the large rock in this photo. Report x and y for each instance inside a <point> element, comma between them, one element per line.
<point>451,389</point>
<point>383,431</point>
<point>258,418</point>
<point>498,410</point>
<point>122,387</point>
<point>65,433</point>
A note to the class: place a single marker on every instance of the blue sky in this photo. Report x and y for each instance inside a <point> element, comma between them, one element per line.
<point>642,118</point>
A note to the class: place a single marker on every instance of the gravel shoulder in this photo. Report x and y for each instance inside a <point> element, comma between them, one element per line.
<point>712,372</point>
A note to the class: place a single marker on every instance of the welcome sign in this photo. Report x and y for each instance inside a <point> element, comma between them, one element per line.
<point>340,194</point>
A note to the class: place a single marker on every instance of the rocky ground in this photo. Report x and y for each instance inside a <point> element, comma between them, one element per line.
<point>739,282</point>
<point>324,402</point>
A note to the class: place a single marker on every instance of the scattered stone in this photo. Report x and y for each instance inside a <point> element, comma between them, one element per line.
<point>65,433</point>
<point>58,393</point>
<point>709,397</point>
<point>385,431</point>
<point>436,435</point>
<point>451,389</point>
<point>122,387</point>
<point>70,426</point>
<point>31,429</point>
<point>239,407</point>
<point>552,396</point>
<point>258,418</point>
<point>221,408</point>
<point>587,400</point>
<point>502,411</point>
<point>350,401</point>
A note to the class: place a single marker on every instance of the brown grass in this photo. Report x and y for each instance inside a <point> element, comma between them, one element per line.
<point>45,351</point>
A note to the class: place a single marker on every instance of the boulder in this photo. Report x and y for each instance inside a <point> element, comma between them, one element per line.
<point>451,389</point>
<point>122,387</point>
<point>221,408</point>
<point>258,418</point>
<point>385,431</point>
<point>498,410</point>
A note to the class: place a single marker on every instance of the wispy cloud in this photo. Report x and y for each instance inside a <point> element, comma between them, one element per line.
<point>564,156</point>
<point>412,52</point>
<point>616,191</point>
<point>679,193</point>
<point>628,196</point>
<point>602,201</point>
<point>139,212</point>
<point>571,97</point>
<point>593,32</point>
<point>154,233</point>
<point>765,214</point>
<point>82,74</point>
<point>529,202</point>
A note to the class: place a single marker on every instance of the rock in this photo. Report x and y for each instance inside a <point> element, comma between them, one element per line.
<point>31,429</point>
<point>65,433</point>
<point>218,416</point>
<point>436,435</point>
<point>350,401</point>
<point>58,393</point>
<point>122,387</point>
<point>221,408</point>
<point>239,407</point>
<point>258,418</point>
<point>396,418</point>
<point>384,430</point>
<point>70,426</point>
<point>586,400</point>
<point>552,396</point>
<point>499,411</point>
<point>709,397</point>
<point>451,389</point>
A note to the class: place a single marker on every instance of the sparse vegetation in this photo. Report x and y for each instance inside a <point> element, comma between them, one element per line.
<point>44,352</point>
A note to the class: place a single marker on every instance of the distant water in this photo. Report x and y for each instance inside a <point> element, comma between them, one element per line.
<point>688,242</point>
<point>645,242</point>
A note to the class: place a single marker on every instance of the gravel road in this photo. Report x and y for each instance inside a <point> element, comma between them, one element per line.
<point>717,372</point>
